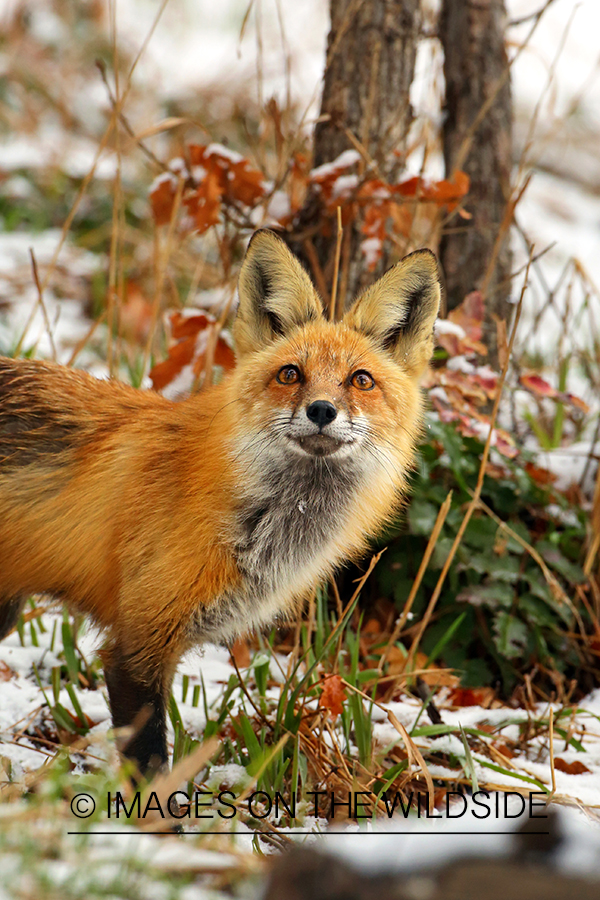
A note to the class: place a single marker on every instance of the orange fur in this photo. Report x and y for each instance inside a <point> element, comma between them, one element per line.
<point>162,520</point>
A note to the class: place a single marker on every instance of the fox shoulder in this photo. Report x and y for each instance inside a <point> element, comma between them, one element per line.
<point>47,409</point>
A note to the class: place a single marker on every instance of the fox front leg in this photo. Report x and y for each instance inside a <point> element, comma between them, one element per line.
<point>10,610</point>
<point>142,704</point>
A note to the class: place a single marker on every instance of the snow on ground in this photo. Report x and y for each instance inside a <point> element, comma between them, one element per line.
<point>489,838</point>
<point>482,825</point>
<point>61,321</point>
<point>23,707</point>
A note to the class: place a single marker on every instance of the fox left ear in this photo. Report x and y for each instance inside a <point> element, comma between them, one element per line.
<point>399,310</point>
<point>276,294</point>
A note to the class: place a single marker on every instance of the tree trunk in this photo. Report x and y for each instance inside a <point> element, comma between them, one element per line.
<point>371,52</point>
<point>478,139</point>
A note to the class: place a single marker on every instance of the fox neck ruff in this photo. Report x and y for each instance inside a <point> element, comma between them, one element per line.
<point>287,536</point>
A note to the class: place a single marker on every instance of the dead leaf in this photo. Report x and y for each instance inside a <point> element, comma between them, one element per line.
<point>540,475</point>
<point>574,768</point>
<point>221,176</point>
<point>298,181</point>
<point>162,198</point>
<point>444,192</point>
<point>472,696</point>
<point>502,748</point>
<point>572,400</point>
<point>537,385</point>
<point>6,673</point>
<point>333,695</point>
<point>190,336</point>
<point>204,204</point>
<point>371,628</point>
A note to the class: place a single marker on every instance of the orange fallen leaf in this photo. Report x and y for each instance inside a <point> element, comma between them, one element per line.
<point>444,192</point>
<point>6,673</point>
<point>333,695</point>
<point>472,696</point>
<point>221,176</point>
<point>190,337</point>
<point>372,627</point>
<point>502,748</point>
<point>162,198</point>
<point>574,768</point>
<point>540,475</point>
<point>204,204</point>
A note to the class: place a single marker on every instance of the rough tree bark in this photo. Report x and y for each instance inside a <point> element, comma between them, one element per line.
<point>478,140</point>
<point>371,52</point>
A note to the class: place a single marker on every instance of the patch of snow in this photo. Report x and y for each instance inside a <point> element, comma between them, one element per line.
<point>279,206</point>
<point>181,385</point>
<point>222,150</point>
<point>460,364</point>
<point>343,161</point>
<point>163,178</point>
<point>344,185</point>
<point>570,464</point>
<point>445,326</point>
<point>178,165</point>
<point>440,393</point>
<point>198,173</point>
<point>230,775</point>
<point>371,249</point>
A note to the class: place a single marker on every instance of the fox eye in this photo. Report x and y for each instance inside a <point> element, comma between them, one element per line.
<point>288,375</point>
<point>362,380</point>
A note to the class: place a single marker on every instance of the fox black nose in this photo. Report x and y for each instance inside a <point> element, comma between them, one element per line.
<point>321,412</point>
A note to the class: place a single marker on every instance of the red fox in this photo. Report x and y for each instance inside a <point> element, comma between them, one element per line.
<point>173,523</point>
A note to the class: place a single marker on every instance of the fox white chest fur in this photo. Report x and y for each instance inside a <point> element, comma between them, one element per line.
<point>287,539</point>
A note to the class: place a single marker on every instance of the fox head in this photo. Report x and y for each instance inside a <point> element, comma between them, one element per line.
<point>321,390</point>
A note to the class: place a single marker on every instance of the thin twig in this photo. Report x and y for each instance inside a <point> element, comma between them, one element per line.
<point>552,772</point>
<point>439,522</point>
<point>87,179</point>
<point>360,584</point>
<point>162,260</point>
<point>248,696</point>
<point>414,754</point>
<point>507,218</point>
<point>36,278</point>
<point>336,265</point>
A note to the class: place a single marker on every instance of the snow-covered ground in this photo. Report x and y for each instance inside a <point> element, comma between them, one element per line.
<point>482,825</point>
<point>26,679</point>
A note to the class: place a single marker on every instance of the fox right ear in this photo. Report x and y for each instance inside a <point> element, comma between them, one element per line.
<point>399,310</point>
<point>275,294</point>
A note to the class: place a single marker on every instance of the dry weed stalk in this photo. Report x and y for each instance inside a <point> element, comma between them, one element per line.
<point>334,311</point>
<point>161,260</point>
<point>484,458</point>
<point>431,544</point>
